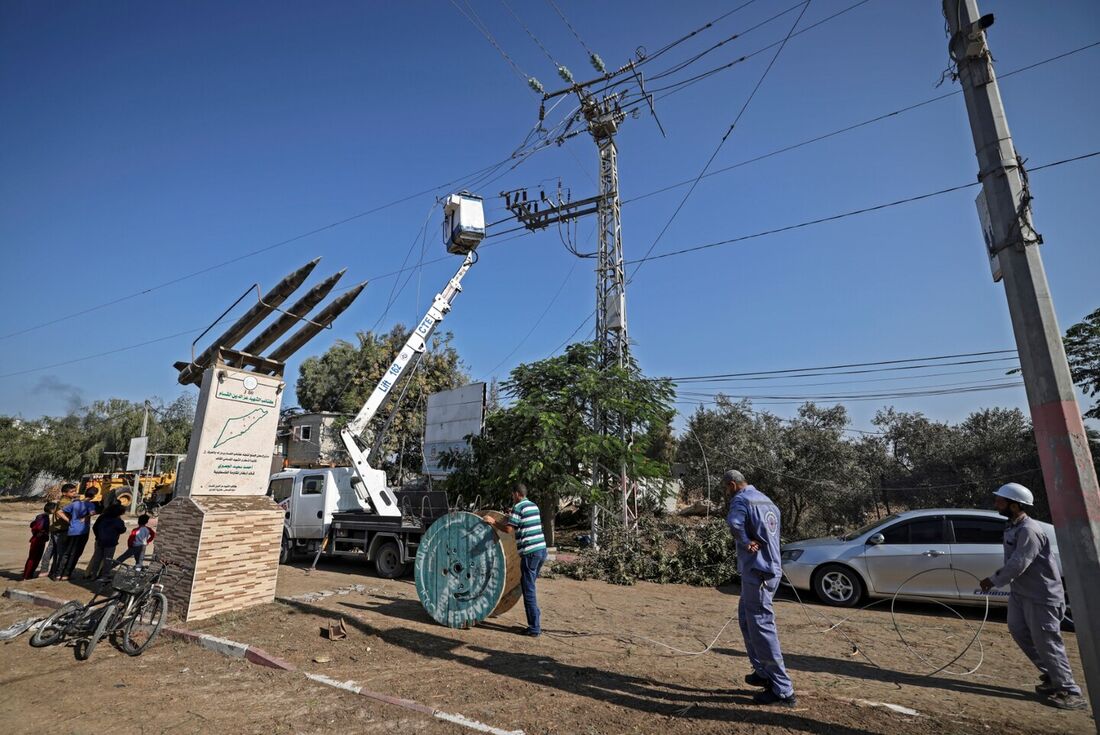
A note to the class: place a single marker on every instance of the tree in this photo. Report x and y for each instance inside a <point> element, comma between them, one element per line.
<point>805,464</point>
<point>1082,343</point>
<point>343,378</point>
<point>546,437</point>
<point>73,445</point>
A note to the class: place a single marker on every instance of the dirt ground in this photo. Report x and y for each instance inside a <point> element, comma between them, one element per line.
<point>599,669</point>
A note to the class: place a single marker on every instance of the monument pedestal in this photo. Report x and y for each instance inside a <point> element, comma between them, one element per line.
<point>224,553</point>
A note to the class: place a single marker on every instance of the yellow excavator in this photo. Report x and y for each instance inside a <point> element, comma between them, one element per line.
<point>157,486</point>
<point>117,487</point>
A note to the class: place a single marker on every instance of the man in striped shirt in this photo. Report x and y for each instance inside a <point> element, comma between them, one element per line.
<point>526,522</point>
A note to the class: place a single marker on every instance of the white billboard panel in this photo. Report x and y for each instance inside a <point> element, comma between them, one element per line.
<point>451,416</point>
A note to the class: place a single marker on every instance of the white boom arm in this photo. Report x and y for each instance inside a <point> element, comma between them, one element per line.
<point>374,481</point>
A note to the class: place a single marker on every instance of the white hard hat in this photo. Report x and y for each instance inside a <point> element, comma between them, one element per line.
<point>1016,491</point>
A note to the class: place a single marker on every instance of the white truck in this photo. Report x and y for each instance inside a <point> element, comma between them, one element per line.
<point>349,511</point>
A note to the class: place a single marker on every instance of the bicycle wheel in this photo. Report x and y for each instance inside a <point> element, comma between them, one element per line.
<point>53,628</point>
<point>145,624</point>
<point>106,622</point>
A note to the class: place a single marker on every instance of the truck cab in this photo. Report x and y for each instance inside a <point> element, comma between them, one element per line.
<point>324,512</point>
<point>309,497</point>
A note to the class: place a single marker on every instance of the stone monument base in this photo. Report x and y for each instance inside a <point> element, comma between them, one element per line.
<point>223,551</point>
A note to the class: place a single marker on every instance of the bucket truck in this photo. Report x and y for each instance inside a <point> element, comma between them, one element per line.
<point>349,511</point>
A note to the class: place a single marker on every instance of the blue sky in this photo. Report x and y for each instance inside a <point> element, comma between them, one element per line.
<point>144,141</point>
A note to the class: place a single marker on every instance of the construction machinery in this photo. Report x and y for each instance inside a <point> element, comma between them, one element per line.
<point>158,482</point>
<point>349,511</point>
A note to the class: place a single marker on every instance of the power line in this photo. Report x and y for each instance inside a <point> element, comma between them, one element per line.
<point>722,142</point>
<point>813,371</point>
<point>902,390</point>
<point>520,155</point>
<point>854,397</point>
<point>856,126</point>
<point>102,354</point>
<point>723,67</point>
<point>395,292</point>
<point>480,26</point>
<point>538,321</point>
<point>720,384</point>
<point>532,36</point>
<point>591,54</point>
<point>692,34</point>
<point>782,229</point>
<point>573,333</point>
<point>845,215</point>
<point>689,61</point>
<point>655,257</point>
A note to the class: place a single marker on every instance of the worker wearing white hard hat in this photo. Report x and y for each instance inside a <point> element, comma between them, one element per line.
<point>1036,601</point>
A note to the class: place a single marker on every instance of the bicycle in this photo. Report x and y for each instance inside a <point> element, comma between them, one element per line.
<point>132,614</point>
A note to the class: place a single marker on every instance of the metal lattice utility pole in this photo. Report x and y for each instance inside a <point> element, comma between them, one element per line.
<point>1013,245</point>
<point>603,117</point>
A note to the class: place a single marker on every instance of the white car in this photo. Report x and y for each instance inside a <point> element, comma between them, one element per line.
<point>937,554</point>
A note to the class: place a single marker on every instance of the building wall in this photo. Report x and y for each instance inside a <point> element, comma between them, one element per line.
<point>322,447</point>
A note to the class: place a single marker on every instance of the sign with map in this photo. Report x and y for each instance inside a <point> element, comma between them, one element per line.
<point>234,434</point>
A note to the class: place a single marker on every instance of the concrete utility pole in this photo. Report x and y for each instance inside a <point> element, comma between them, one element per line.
<point>1004,207</point>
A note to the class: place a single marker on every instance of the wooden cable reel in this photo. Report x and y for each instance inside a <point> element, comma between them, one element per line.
<point>466,570</point>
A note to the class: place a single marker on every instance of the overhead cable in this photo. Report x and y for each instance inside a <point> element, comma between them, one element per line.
<point>721,142</point>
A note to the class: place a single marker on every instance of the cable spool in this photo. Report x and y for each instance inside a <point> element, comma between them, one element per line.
<point>466,571</point>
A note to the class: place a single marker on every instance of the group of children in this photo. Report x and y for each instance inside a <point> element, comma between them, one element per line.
<point>60,533</point>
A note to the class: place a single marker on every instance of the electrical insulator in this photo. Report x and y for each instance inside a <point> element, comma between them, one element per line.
<point>597,62</point>
<point>565,74</point>
<point>536,85</point>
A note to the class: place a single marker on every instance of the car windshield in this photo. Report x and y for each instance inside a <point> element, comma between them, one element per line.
<point>870,526</point>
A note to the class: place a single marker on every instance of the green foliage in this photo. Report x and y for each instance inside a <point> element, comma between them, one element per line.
<point>343,378</point>
<point>1082,343</point>
<point>822,479</point>
<point>805,465</point>
<point>659,551</point>
<point>546,437</point>
<point>73,445</point>
<point>929,463</point>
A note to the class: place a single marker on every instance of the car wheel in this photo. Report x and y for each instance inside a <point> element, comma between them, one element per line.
<point>838,586</point>
<point>387,561</point>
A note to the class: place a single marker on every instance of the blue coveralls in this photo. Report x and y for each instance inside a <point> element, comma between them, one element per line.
<point>754,517</point>
<point>1036,600</point>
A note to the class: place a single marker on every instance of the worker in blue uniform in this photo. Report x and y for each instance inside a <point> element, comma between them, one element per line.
<point>754,520</point>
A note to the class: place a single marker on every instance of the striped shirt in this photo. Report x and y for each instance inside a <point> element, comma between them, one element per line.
<point>527,520</point>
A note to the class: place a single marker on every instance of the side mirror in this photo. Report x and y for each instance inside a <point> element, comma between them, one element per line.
<point>876,539</point>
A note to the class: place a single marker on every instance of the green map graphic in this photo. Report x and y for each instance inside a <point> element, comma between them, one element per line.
<point>238,426</point>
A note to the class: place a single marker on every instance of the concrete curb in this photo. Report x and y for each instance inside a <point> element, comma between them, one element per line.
<point>260,657</point>
<point>35,598</point>
<point>226,647</point>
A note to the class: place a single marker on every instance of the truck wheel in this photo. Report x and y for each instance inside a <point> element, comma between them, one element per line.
<point>286,550</point>
<point>387,561</point>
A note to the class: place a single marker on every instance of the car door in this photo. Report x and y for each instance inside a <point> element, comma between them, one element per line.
<point>307,516</point>
<point>977,548</point>
<point>914,557</point>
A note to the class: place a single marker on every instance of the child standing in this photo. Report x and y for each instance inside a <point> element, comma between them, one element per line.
<point>107,528</point>
<point>40,535</point>
<point>140,538</point>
